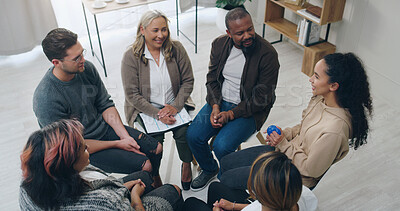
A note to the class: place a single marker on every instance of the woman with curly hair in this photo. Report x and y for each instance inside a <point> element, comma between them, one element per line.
<point>56,177</point>
<point>336,117</point>
<point>158,79</point>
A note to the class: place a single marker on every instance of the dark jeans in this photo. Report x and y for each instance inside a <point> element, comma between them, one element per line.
<point>216,191</point>
<point>167,192</point>
<point>142,175</point>
<point>235,167</point>
<point>121,161</point>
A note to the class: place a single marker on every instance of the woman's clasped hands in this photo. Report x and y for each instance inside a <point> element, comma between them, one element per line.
<point>137,189</point>
<point>223,204</point>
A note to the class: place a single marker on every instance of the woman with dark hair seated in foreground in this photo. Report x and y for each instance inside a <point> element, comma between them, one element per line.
<point>56,177</point>
<point>274,182</point>
<point>336,117</point>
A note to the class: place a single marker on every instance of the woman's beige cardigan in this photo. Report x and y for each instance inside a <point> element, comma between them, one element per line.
<point>136,81</point>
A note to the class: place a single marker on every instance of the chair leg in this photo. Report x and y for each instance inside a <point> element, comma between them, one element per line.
<point>194,161</point>
<point>212,142</point>
<point>211,148</point>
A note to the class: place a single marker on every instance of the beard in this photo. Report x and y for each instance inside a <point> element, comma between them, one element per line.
<point>247,49</point>
<point>72,71</point>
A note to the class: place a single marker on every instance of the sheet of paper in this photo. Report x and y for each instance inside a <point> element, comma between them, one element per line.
<point>152,125</point>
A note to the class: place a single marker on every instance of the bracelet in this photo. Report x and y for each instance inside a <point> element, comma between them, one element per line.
<point>233,208</point>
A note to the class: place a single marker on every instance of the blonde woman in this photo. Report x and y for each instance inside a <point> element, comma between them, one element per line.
<point>158,80</point>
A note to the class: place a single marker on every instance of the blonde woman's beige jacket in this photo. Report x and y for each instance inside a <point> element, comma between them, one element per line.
<point>320,140</point>
<point>136,81</point>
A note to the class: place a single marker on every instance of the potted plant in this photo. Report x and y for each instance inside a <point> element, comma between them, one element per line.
<point>224,7</point>
<point>230,4</point>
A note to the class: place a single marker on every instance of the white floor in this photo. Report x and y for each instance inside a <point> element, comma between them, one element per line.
<point>367,179</point>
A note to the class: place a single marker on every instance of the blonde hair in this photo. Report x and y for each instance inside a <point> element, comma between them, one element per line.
<point>274,181</point>
<point>139,44</point>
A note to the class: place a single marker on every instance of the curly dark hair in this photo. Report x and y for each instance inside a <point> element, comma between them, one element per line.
<point>47,164</point>
<point>353,92</point>
<point>57,42</point>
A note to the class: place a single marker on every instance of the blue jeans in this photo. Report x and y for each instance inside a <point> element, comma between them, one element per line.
<point>227,139</point>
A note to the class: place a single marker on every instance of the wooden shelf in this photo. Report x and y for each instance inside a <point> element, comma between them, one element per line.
<point>292,7</point>
<point>313,54</point>
<point>284,27</point>
<point>332,11</point>
<point>287,28</point>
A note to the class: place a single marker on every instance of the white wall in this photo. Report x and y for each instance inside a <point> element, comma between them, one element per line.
<point>370,29</point>
<point>257,9</point>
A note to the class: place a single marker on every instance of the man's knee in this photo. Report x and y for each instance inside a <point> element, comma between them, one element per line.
<point>189,134</point>
<point>194,138</point>
<point>159,148</point>
<point>221,149</point>
<point>147,166</point>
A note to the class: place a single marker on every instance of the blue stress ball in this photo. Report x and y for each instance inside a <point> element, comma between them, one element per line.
<point>273,128</point>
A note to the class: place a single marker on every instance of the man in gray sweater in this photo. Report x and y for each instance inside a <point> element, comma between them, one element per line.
<point>72,88</point>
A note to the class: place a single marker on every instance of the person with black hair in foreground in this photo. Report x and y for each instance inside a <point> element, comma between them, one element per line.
<point>56,177</point>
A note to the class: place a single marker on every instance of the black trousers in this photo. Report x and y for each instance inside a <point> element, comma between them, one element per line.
<point>121,161</point>
<point>216,191</point>
<point>167,191</point>
<point>235,167</point>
